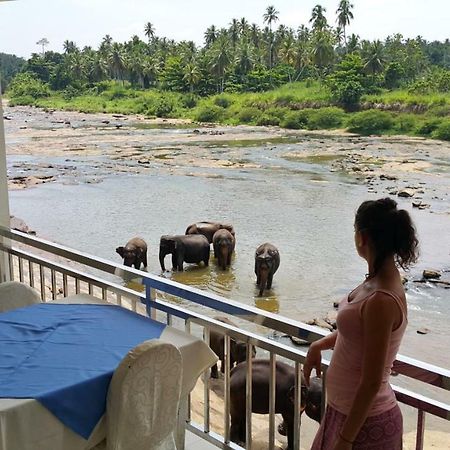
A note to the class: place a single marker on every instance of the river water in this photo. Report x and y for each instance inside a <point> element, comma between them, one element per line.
<point>299,205</point>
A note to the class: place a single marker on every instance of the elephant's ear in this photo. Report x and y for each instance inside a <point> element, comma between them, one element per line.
<point>304,393</point>
<point>119,250</point>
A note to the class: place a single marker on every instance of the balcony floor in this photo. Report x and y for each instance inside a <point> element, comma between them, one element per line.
<point>193,442</point>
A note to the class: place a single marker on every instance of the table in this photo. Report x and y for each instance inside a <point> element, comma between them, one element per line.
<point>27,425</point>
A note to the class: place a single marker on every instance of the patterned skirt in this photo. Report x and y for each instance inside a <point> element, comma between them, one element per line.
<point>381,432</point>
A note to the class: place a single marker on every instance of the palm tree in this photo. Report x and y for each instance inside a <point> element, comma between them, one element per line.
<point>254,35</point>
<point>220,60</point>
<point>191,75</point>
<point>245,59</point>
<point>243,26</point>
<point>271,16</point>
<point>69,47</point>
<point>353,43</point>
<point>210,35</point>
<point>374,58</point>
<point>234,32</point>
<point>323,51</point>
<point>117,61</point>
<point>318,18</point>
<point>149,31</point>
<point>43,42</point>
<point>344,15</point>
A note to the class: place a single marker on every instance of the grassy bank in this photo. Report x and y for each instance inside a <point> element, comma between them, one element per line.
<point>305,105</point>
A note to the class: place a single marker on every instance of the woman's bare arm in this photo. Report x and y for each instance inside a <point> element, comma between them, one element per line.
<point>314,356</point>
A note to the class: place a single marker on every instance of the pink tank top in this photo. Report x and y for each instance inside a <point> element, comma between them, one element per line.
<point>344,372</point>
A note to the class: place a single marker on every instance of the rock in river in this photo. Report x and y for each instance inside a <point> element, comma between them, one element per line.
<point>430,274</point>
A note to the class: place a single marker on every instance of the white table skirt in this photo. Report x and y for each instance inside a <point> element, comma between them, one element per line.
<point>27,425</point>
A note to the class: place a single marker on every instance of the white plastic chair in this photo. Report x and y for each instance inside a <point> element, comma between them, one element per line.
<point>14,294</point>
<point>143,398</point>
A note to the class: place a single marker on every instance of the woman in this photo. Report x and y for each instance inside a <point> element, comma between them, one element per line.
<point>362,412</point>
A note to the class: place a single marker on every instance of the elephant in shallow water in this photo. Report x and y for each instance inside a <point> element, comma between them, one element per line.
<point>267,261</point>
<point>223,244</point>
<point>190,249</point>
<point>208,229</point>
<point>134,253</point>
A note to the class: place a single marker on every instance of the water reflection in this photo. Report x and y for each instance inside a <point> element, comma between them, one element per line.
<point>269,303</point>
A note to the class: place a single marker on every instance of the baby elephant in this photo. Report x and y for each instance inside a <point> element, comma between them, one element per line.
<point>223,244</point>
<point>134,253</point>
<point>238,350</point>
<point>284,396</point>
<point>267,261</point>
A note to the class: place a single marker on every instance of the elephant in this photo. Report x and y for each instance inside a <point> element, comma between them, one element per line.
<point>208,229</point>
<point>190,249</point>
<point>267,261</point>
<point>284,396</point>
<point>313,407</point>
<point>223,244</point>
<point>238,350</point>
<point>134,253</point>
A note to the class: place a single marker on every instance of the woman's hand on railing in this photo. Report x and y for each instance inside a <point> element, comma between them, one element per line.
<point>313,361</point>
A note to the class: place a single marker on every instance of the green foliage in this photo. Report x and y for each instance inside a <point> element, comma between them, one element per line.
<point>346,83</point>
<point>405,123</point>
<point>10,65</point>
<point>442,131</point>
<point>25,84</point>
<point>189,101</point>
<point>296,120</point>
<point>325,118</point>
<point>211,113</point>
<point>163,108</point>
<point>370,122</point>
<point>267,119</point>
<point>248,115</point>
<point>428,127</point>
<point>222,101</point>
<point>394,75</point>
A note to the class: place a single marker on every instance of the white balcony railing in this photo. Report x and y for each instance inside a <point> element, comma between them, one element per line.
<point>58,271</point>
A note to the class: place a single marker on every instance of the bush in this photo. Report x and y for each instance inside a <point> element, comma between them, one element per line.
<point>267,120</point>
<point>324,118</point>
<point>247,115</point>
<point>208,114</point>
<point>26,85</point>
<point>428,127</point>
<point>405,123</point>
<point>370,122</point>
<point>296,120</point>
<point>189,101</point>
<point>442,131</point>
<point>222,101</point>
<point>163,108</point>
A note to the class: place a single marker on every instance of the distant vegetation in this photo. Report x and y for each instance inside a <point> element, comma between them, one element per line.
<point>10,65</point>
<point>314,77</point>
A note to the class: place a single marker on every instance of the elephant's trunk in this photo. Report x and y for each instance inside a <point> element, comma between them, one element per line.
<point>263,275</point>
<point>162,255</point>
<point>223,256</point>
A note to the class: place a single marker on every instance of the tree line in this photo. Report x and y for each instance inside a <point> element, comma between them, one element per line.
<point>245,57</point>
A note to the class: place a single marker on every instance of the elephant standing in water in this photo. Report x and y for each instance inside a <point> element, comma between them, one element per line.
<point>267,261</point>
<point>134,253</point>
<point>223,244</point>
<point>208,229</point>
<point>190,249</point>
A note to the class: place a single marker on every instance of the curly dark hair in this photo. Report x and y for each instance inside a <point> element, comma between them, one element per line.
<point>391,231</point>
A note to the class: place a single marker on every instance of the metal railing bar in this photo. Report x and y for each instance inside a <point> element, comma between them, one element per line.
<point>20,269</point>
<point>420,402</point>
<point>272,391</point>
<point>248,397</point>
<point>206,418</point>
<point>212,437</point>
<point>420,429</point>
<point>226,387</point>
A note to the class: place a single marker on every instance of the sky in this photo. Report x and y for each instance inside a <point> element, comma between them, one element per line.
<point>24,22</point>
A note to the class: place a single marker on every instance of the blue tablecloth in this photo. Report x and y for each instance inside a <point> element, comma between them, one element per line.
<point>64,356</point>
